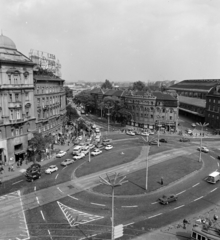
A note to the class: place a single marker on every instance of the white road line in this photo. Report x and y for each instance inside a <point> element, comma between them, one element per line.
<point>73,197</point>
<point>49,233</point>
<point>128,224</point>
<point>42,215</point>
<point>17,182</point>
<point>180,192</point>
<point>97,204</point>
<point>196,184</point>
<point>197,199</point>
<point>56,176</point>
<point>155,215</point>
<point>213,189</point>
<point>37,200</point>
<point>59,190</point>
<point>212,157</point>
<point>34,188</point>
<point>179,207</point>
<point>130,206</point>
<point>64,168</point>
<point>154,202</point>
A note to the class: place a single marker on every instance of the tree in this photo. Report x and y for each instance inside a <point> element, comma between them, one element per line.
<point>71,113</point>
<point>69,92</point>
<point>87,100</point>
<point>107,84</point>
<point>39,143</point>
<point>140,86</point>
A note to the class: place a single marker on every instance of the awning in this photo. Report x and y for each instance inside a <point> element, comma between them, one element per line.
<point>195,113</point>
<point>19,152</point>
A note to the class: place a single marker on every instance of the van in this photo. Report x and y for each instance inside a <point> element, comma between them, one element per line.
<point>213,177</point>
<point>77,150</point>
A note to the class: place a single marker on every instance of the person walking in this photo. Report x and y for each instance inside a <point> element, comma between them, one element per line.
<point>161,181</point>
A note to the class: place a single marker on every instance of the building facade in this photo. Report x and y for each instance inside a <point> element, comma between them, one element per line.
<point>17,118</point>
<point>152,110</point>
<point>49,102</point>
<point>213,108</point>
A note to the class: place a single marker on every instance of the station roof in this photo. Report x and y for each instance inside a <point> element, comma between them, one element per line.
<point>199,85</point>
<point>193,101</point>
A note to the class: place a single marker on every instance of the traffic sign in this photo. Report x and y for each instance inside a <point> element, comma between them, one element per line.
<point>118,231</point>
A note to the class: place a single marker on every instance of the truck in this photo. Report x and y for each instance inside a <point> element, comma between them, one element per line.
<point>33,172</point>
<point>213,177</point>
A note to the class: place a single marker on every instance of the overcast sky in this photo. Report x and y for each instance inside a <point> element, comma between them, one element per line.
<point>120,40</point>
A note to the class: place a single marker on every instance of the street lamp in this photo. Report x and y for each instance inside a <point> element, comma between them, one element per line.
<point>108,114</point>
<point>202,125</point>
<point>146,184</point>
<point>114,182</point>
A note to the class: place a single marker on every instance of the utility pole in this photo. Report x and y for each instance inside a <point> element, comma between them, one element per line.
<point>114,182</point>
<point>158,131</point>
<point>202,125</point>
<point>146,184</point>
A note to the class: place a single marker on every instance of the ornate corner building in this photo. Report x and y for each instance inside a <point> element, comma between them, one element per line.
<point>20,88</point>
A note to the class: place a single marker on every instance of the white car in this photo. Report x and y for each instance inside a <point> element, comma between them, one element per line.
<point>96,152</point>
<point>52,168</point>
<point>131,133</point>
<point>80,138</point>
<point>67,162</point>
<point>193,125</point>
<point>108,147</point>
<point>61,154</point>
<point>203,149</point>
<point>79,156</point>
<point>145,134</point>
<point>91,146</point>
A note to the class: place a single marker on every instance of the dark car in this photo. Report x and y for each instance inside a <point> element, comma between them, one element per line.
<point>167,199</point>
<point>163,140</point>
<point>100,146</point>
<point>184,140</point>
<point>153,143</point>
<point>218,157</point>
<point>33,172</point>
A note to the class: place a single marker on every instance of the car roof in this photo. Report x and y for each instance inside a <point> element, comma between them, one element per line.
<point>52,166</point>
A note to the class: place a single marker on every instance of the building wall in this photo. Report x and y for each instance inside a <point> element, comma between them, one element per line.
<point>50,105</point>
<point>17,117</point>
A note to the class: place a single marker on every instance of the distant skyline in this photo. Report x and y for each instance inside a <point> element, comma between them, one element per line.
<point>119,40</point>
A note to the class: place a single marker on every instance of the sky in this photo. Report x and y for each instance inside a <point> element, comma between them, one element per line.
<point>119,40</point>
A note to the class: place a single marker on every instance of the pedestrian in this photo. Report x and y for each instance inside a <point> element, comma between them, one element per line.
<point>18,164</point>
<point>161,181</point>
<point>9,168</point>
<point>184,223</point>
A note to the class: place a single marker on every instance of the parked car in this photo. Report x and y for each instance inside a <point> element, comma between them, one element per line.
<point>145,134</point>
<point>100,146</point>
<point>193,125</point>
<point>184,140</point>
<point>85,151</point>
<point>203,149</point>
<point>163,140</point>
<point>79,156</point>
<point>91,146</point>
<point>108,147</point>
<point>167,199</point>
<point>60,154</point>
<point>51,169</point>
<point>130,133</point>
<point>96,152</point>
<point>154,143</point>
<point>106,141</point>
<point>33,172</point>
<point>67,162</point>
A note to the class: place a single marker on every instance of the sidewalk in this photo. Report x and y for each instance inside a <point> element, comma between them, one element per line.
<point>6,175</point>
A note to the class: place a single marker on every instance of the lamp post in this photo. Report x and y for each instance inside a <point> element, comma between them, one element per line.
<point>108,114</point>
<point>146,183</point>
<point>114,182</point>
<point>202,125</point>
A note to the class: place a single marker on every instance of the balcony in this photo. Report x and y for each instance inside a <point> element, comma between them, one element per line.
<point>16,120</point>
<point>16,104</point>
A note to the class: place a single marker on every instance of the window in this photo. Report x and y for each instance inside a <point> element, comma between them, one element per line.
<point>0,134</point>
<point>11,115</point>
<point>9,78</point>
<point>10,97</point>
<point>18,114</point>
<point>38,102</point>
<point>21,131</point>
<point>38,115</point>
<point>42,89</point>
<point>213,100</point>
<point>16,97</point>
<point>17,131</point>
<point>27,96</point>
<point>27,112</point>
<point>151,116</point>
<point>171,110</point>
<point>38,90</point>
<point>171,117</point>
<point>16,79</point>
<point>12,132</point>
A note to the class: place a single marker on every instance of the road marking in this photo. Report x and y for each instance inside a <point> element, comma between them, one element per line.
<point>73,197</point>
<point>42,215</point>
<point>34,188</point>
<point>180,192</point>
<point>154,202</point>
<point>56,176</point>
<point>213,189</point>
<point>195,184</point>
<point>49,233</point>
<point>128,224</point>
<point>179,207</point>
<point>98,204</point>
<point>59,190</point>
<point>17,182</point>
<point>197,199</point>
<point>130,206</point>
<point>155,215</point>
<point>37,200</point>
<point>64,167</point>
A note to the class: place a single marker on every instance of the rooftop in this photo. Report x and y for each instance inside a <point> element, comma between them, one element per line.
<point>193,101</point>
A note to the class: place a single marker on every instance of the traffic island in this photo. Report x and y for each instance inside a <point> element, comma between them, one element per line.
<point>160,175</point>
